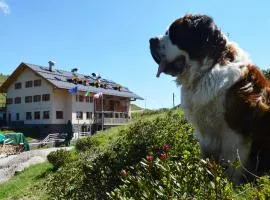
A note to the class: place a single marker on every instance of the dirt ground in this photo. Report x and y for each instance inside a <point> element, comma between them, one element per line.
<point>14,163</point>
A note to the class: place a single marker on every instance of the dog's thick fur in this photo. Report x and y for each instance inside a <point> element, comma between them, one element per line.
<point>224,95</point>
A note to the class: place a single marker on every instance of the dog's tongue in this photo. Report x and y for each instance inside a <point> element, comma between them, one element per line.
<point>161,68</point>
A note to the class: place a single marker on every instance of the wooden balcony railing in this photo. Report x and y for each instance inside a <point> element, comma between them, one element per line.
<point>112,118</point>
<point>113,121</point>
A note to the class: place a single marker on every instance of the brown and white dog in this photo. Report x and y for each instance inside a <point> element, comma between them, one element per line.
<point>224,95</point>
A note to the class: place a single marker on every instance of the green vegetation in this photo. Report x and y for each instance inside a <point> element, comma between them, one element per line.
<point>28,184</point>
<point>97,170</point>
<point>149,114</point>
<point>135,107</point>
<point>155,157</point>
<point>2,96</point>
<point>61,157</point>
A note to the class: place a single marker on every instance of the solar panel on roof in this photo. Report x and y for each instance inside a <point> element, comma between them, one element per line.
<point>57,78</point>
<point>65,80</point>
<point>43,68</point>
<point>59,71</point>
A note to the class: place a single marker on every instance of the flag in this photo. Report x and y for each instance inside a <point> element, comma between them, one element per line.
<point>73,90</point>
<point>98,95</point>
<point>87,92</point>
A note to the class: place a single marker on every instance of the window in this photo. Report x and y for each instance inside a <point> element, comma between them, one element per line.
<point>46,114</point>
<point>18,86</point>
<point>81,98</point>
<point>37,98</point>
<point>17,100</point>
<point>46,97</point>
<point>89,99</point>
<point>37,83</point>
<point>59,114</point>
<point>28,84</point>
<point>88,115</point>
<point>28,99</point>
<point>9,101</point>
<point>17,116</point>
<point>108,115</point>
<point>79,115</point>
<point>37,115</point>
<point>117,103</point>
<point>28,116</point>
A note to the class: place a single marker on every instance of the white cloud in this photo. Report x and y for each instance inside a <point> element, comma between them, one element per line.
<point>4,7</point>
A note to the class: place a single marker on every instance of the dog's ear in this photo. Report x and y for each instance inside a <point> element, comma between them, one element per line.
<point>196,34</point>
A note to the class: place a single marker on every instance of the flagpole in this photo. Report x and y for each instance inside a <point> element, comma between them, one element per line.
<point>90,117</point>
<point>102,122</point>
<point>95,112</point>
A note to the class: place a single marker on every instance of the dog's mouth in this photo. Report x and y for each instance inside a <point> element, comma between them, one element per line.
<point>172,68</point>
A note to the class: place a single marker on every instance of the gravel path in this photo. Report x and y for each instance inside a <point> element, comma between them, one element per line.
<point>11,164</point>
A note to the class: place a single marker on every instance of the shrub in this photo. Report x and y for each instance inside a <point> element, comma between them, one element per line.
<point>61,157</point>
<point>85,144</point>
<point>161,176</point>
<point>66,183</point>
<point>137,165</point>
<point>100,167</point>
<point>147,113</point>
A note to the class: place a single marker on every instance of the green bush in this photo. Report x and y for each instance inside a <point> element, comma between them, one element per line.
<point>60,158</point>
<point>147,113</point>
<point>85,144</point>
<point>160,176</point>
<point>100,168</point>
<point>150,159</point>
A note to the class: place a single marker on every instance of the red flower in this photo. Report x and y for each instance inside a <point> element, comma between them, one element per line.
<point>163,156</point>
<point>123,173</point>
<point>166,147</point>
<point>149,158</point>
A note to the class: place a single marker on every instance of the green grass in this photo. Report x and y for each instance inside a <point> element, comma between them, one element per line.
<point>104,138</point>
<point>135,107</point>
<point>27,184</point>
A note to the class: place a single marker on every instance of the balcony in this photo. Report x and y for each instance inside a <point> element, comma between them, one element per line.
<point>112,118</point>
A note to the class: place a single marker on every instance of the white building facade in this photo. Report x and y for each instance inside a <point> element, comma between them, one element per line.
<point>38,102</point>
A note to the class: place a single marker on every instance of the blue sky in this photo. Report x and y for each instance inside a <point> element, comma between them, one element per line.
<point>111,37</point>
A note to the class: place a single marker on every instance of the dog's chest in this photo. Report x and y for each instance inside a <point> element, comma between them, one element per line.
<point>207,118</point>
<point>215,137</point>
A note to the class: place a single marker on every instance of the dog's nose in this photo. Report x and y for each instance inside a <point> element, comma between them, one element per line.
<point>154,42</point>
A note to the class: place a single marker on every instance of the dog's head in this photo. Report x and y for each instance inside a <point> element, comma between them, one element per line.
<point>190,39</point>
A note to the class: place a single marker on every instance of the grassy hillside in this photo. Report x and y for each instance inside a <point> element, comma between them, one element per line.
<point>155,157</point>
<point>135,107</point>
<point>2,97</point>
<point>27,184</point>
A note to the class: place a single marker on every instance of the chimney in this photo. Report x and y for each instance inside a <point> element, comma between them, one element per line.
<point>51,65</point>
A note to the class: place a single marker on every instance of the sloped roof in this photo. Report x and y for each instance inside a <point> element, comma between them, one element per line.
<point>59,78</point>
